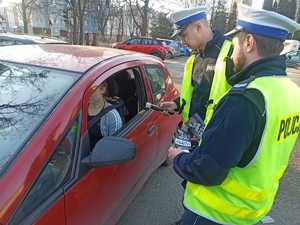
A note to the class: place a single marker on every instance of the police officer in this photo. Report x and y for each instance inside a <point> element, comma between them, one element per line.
<point>233,176</point>
<point>193,29</point>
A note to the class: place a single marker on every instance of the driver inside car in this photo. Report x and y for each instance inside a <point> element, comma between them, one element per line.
<point>109,120</point>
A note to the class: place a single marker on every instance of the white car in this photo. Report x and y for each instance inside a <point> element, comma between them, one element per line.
<point>292,57</point>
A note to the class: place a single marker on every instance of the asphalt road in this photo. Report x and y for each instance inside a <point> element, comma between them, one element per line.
<point>159,203</point>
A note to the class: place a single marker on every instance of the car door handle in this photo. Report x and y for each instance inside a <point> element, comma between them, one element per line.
<point>151,129</point>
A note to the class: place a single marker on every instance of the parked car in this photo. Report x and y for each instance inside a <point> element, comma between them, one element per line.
<point>7,39</point>
<point>171,52</point>
<point>185,51</point>
<point>292,57</point>
<point>145,45</point>
<point>179,50</point>
<point>290,45</point>
<point>48,172</point>
<point>173,44</point>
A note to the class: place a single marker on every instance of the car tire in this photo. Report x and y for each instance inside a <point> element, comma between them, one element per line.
<point>157,54</point>
<point>169,55</point>
<point>166,163</point>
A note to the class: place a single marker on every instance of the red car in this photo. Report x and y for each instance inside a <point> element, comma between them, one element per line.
<point>145,45</point>
<point>48,172</point>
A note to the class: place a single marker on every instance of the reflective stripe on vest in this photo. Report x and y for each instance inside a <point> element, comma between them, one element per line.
<point>219,84</point>
<point>247,194</point>
<point>187,88</point>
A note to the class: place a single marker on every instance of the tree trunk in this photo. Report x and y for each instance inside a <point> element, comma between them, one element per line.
<point>87,39</point>
<point>212,22</point>
<point>119,29</point>
<point>111,28</point>
<point>24,15</point>
<point>297,13</point>
<point>94,42</point>
<point>81,32</point>
<point>144,30</point>
<point>75,28</point>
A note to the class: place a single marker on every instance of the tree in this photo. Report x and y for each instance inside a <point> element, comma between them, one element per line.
<point>212,16</point>
<point>219,21</point>
<point>297,13</point>
<point>97,14</point>
<point>26,10</point>
<point>81,12</point>
<point>76,10</point>
<point>275,6</point>
<point>268,5</point>
<point>161,26</point>
<point>231,23</point>
<point>287,8</point>
<point>192,3</point>
<point>102,14</point>
<point>142,13</point>
<point>118,19</point>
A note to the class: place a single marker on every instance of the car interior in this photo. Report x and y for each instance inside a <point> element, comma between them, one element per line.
<point>126,93</point>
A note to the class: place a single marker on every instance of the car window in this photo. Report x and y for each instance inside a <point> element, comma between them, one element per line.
<point>27,96</point>
<point>147,42</point>
<point>56,171</point>
<point>293,53</point>
<point>4,42</point>
<point>134,41</point>
<point>19,43</point>
<point>157,81</point>
<point>126,93</point>
<point>156,42</point>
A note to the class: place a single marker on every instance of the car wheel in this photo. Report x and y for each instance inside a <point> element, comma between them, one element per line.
<point>169,55</point>
<point>166,163</point>
<point>157,54</point>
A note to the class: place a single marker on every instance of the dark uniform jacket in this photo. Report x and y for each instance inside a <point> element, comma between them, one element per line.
<point>233,135</point>
<point>203,72</point>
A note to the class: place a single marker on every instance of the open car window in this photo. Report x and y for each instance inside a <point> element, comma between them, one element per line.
<point>124,97</point>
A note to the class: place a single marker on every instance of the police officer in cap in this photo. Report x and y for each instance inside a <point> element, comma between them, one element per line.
<point>233,176</point>
<point>192,27</point>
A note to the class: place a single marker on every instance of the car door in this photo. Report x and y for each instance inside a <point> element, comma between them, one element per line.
<point>161,85</point>
<point>44,204</point>
<point>133,44</point>
<point>145,45</point>
<point>100,195</point>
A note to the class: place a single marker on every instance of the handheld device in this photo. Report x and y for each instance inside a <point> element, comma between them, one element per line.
<point>155,107</point>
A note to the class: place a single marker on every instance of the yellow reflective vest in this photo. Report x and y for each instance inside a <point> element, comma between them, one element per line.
<point>218,88</point>
<point>247,194</point>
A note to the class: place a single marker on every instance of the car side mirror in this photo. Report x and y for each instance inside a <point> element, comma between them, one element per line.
<point>110,150</point>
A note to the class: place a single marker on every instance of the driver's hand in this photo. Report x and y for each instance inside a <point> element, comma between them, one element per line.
<point>168,106</point>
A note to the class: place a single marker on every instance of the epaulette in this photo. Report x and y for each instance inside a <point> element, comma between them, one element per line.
<point>242,86</point>
<point>240,89</point>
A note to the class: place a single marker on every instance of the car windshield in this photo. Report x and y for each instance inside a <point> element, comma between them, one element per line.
<point>27,96</point>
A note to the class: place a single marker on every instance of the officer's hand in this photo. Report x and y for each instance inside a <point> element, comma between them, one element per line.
<point>173,152</point>
<point>168,106</point>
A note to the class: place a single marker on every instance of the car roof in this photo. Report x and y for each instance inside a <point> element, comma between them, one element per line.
<point>163,39</point>
<point>31,38</point>
<point>65,57</point>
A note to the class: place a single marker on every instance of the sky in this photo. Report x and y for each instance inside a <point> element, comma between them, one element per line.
<point>7,2</point>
